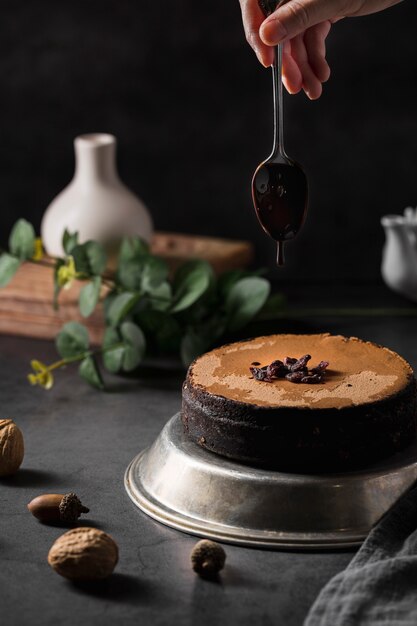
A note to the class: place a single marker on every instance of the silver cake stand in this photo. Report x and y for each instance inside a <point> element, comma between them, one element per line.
<point>183,486</point>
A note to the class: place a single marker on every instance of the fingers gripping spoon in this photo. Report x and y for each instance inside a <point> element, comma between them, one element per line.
<point>279,185</point>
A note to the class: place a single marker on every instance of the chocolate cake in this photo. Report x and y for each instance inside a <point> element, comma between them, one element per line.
<point>363,410</point>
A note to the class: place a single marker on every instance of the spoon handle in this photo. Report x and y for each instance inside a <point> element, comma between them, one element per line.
<point>278,147</point>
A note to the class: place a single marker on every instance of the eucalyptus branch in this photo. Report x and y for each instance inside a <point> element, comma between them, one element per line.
<point>145,306</point>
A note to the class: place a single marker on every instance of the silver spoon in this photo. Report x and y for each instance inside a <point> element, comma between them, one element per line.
<point>279,185</point>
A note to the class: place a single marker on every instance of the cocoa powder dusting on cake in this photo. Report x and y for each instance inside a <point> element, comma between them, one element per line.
<point>353,363</point>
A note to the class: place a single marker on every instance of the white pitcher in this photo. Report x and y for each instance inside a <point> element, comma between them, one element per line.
<point>96,203</point>
<point>399,259</point>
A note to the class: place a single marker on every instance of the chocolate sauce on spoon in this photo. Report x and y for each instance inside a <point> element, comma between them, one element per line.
<point>279,185</point>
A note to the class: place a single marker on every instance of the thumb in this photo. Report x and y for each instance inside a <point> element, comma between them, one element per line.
<point>296,16</point>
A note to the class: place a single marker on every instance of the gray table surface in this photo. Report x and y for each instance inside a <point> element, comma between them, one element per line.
<point>78,439</point>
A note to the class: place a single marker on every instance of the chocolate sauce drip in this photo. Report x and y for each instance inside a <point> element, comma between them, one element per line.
<point>280,197</point>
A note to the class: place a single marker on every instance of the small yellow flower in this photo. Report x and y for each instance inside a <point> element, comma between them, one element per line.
<point>42,375</point>
<point>67,273</point>
<point>38,250</point>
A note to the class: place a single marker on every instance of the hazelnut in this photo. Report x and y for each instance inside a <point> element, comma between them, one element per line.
<point>56,507</point>
<point>207,558</point>
<point>84,554</point>
<point>11,448</point>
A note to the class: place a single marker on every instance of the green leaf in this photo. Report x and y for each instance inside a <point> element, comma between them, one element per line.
<point>90,258</point>
<point>129,274</point>
<point>107,302</point>
<point>22,240</point>
<point>192,345</point>
<point>8,267</point>
<point>161,297</point>
<point>89,371</point>
<point>137,269</point>
<point>69,241</point>
<point>113,350</point>
<point>191,281</point>
<point>124,349</point>
<point>245,300</point>
<point>89,296</point>
<point>227,280</point>
<point>162,328</point>
<point>134,345</point>
<point>72,340</point>
<point>154,273</point>
<point>79,255</point>
<point>97,257</point>
<point>132,258</point>
<point>121,306</point>
<point>131,248</point>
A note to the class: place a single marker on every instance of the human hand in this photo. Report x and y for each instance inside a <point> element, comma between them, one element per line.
<point>302,27</point>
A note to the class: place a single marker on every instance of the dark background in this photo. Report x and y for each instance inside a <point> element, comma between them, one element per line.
<point>191,107</point>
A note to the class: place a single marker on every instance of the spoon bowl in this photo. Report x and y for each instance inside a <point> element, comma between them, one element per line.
<point>280,196</point>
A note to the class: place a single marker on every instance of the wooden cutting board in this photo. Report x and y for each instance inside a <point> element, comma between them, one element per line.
<point>26,303</point>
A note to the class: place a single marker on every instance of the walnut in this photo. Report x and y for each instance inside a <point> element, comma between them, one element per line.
<point>11,448</point>
<point>84,554</point>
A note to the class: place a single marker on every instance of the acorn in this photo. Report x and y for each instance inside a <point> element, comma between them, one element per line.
<point>207,558</point>
<point>56,507</point>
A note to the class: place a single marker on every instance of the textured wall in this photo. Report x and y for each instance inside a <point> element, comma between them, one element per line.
<point>191,107</point>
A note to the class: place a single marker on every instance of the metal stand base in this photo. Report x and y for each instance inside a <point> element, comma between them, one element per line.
<point>183,486</point>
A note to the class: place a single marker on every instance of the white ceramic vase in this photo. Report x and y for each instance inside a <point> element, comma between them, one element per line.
<point>96,203</point>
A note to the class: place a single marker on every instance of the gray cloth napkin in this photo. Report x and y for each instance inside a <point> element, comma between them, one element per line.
<point>379,586</point>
